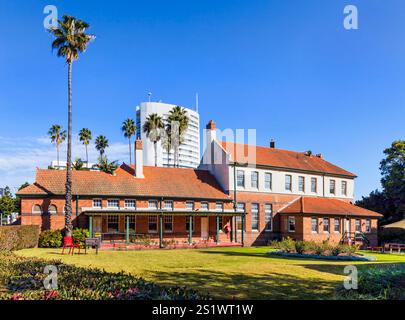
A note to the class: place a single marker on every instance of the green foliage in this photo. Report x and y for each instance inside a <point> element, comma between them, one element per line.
<point>382,283</point>
<point>78,164</point>
<point>50,239</point>
<point>101,144</point>
<point>299,247</point>
<point>348,250</point>
<point>105,166</point>
<point>8,204</point>
<point>80,235</point>
<point>18,237</point>
<point>287,245</point>
<point>23,278</point>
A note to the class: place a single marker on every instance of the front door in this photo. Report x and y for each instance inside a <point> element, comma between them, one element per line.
<point>204,228</point>
<point>97,226</point>
<point>347,226</point>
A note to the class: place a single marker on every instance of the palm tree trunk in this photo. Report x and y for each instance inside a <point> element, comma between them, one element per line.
<point>68,199</point>
<point>57,154</point>
<point>155,147</point>
<point>130,152</point>
<point>87,158</point>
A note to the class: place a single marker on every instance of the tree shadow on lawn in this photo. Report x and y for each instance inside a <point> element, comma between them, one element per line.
<point>221,285</point>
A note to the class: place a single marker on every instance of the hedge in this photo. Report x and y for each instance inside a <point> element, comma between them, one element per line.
<point>18,237</point>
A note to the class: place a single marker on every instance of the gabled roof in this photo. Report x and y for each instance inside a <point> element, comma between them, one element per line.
<point>327,206</point>
<point>282,159</point>
<point>158,182</point>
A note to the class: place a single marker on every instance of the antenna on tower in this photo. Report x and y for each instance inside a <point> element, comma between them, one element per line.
<point>196,102</point>
<point>149,95</point>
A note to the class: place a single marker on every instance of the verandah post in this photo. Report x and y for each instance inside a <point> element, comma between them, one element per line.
<point>161,231</point>
<point>127,229</point>
<point>190,229</point>
<point>217,229</point>
<point>243,229</point>
<point>91,226</point>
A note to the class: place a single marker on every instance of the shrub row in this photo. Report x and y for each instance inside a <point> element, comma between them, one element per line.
<point>18,237</point>
<point>310,247</point>
<point>23,279</point>
<point>54,238</point>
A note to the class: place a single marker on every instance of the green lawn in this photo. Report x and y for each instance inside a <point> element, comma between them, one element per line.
<point>224,272</point>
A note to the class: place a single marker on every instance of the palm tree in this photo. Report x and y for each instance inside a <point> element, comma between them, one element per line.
<point>129,129</point>
<point>57,136</point>
<point>154,129</point>
<point>101,144</point>
<point>85,138</point>
<point>70,40</point>
<point>177,122</point>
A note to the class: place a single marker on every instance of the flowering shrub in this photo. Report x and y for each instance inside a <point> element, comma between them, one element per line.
<point>50,239</point>
<point>23,280</point>
<point>80,235</point>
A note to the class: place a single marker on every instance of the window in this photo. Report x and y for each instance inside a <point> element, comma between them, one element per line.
<point>113,203</point>
<point>169,205</point>
<point>52,209</point>
<point>153,204</point>
<point>332,184</point>
<point>97,203</point>
<point>326,225</point>
<point>368,226</point>
<point>240,178</point>
<point>344,188</point>
<point>267,180</point>
<point>168,223</point>
<point>268,212</point>
<point>36,209</point>
<point>220,223</point>
<point>190,205</point>
<point>255,216</point>
<point>314,185</point>
<point>152,223</point>
<point>255,180</point>
<point>219,206</point>
<point>291,224</point>
<point>337,225</point>
<point>204,205</point>
<point>241,207</point>
<point>130,204</point>
<point>301,184</point>
<point>314,225</point>
<point>187,223</point>
<point>288,185</point>
<point>132,224</point>
<point>112,223</point>
<point>358,225</point>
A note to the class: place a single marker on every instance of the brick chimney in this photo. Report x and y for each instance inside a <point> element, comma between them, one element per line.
<point>138,159</point>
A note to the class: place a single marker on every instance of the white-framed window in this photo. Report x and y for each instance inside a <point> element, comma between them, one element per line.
<point>288,182</point>
<point>314,225</point>
<point>219,206</point>
<point>168,223</point>
<point>337,225</point>
<point>368,226</point>
<point>52,209</point>
<point>113,203</point>
<point>36,209</point>
<point>168,205</point>
<point>204,205</point>
<point>358,225</point>
<point>255,180</point>
<point>326,225</point>
<point>268,216</point>
<point>301,184</point>
<point>291,224</point>
<point>190,205</point>
<point>97,203</point>
<point>153,205</point>
<point>255,216</point>
<point>112,223</point>
<point>344,188</point>
<point>267,180</point>
<point>332,186</point>
<point>132,224</point>
<point>240,207</point>
<point>240,178</point>
<point>152,224</point>
<point>130,204</point>
<point>314,184</point>
<point>187,223</point>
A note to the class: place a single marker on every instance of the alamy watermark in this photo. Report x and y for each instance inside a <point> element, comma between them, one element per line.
<point>51,280</point>
<point>351,19</point>
<point>351,280</point>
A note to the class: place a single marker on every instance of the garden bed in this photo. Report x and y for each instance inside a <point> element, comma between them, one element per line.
<point>322,257</point>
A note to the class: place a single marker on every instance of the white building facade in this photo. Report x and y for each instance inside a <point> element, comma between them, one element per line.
<point>189,150</point>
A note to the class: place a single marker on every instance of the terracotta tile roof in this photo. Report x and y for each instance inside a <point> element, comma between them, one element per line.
<point>327,206</point>
<point>283,159</point>
<point>158,182</point>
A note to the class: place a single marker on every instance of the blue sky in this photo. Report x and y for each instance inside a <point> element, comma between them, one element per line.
<point>287,68</point>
